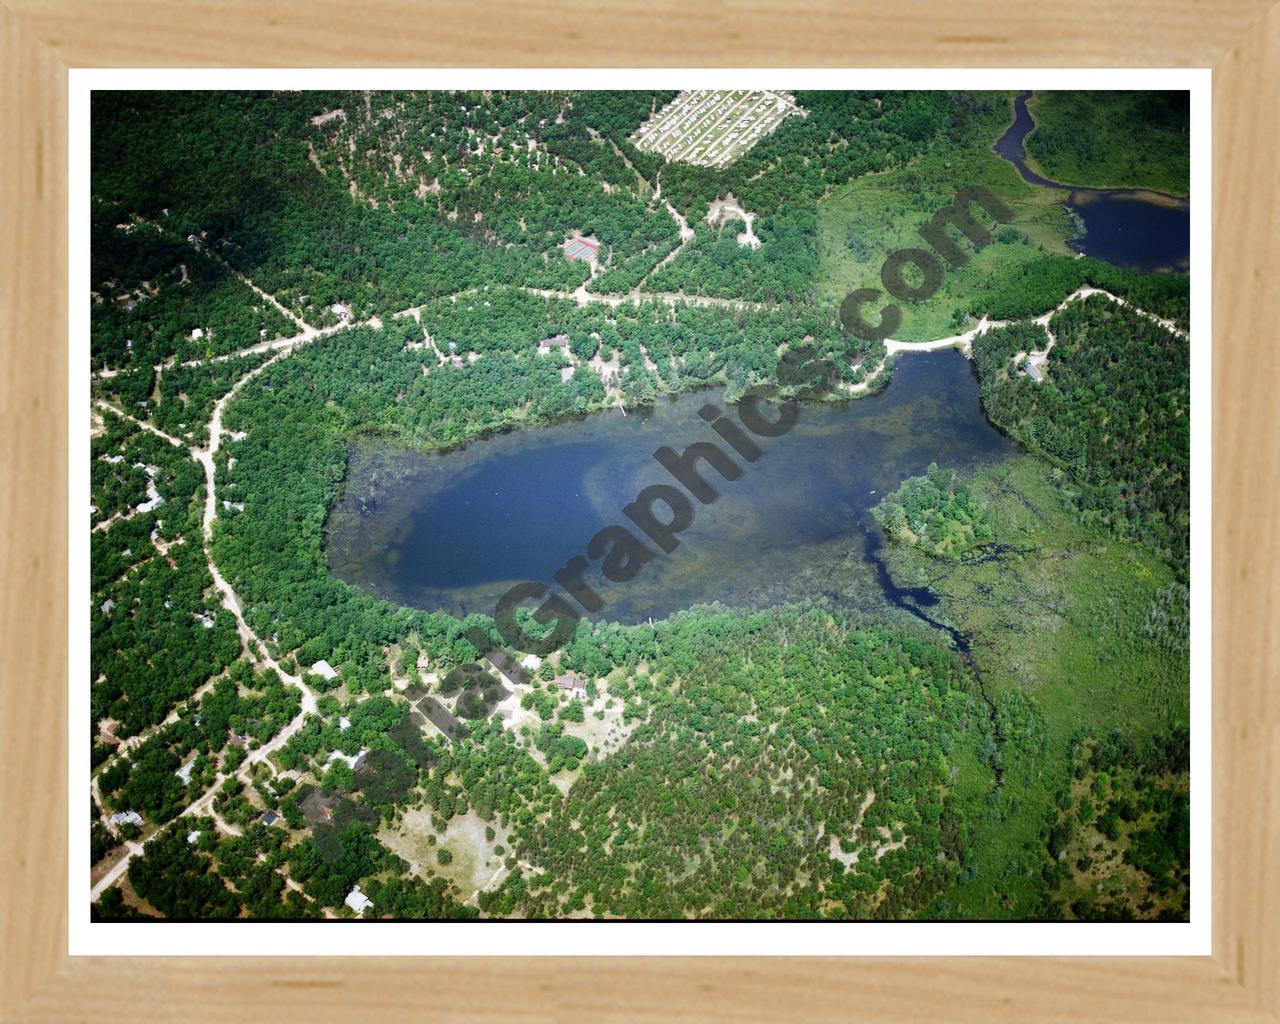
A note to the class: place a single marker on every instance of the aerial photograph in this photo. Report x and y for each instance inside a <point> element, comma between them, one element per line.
<point>705,505</point>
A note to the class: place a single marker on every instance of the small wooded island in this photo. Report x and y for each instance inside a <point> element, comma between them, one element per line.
<point>361,361</point>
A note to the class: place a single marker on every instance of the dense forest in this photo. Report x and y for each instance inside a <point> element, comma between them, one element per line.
<point>1135,139</point>
<point>1113,412</point>
<point>845,787</point>
<point>820,761</point>
<point>156,298</point>
<point>935,512</point>
<point>150,582</point>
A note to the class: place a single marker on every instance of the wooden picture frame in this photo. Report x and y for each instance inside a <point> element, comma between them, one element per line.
<point>41,39</point>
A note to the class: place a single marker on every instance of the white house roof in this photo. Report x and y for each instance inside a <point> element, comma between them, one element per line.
<point>344,723</point>
<point>357,900</point>
<point>353,760</point>
<point>323,668</point>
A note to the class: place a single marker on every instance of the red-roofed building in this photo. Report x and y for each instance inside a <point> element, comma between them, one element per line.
<point>581,249</point>
<point>572,685</point>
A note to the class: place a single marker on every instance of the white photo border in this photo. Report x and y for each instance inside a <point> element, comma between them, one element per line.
<point>626,938</point>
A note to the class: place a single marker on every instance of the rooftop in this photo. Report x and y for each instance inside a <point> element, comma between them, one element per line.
<point>324,669</point>
<point>357,900</point>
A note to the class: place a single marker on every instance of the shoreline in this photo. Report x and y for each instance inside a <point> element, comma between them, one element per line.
<point>1174,199</point>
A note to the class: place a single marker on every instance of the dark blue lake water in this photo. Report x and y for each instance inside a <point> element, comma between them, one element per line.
<point>453,531</point>
<point>1148,231</point>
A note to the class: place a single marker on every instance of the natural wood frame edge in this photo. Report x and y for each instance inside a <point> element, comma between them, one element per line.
<point>1241,40</point>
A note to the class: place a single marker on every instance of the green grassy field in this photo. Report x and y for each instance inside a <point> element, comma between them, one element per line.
<point>1133,139</point>
<point>862,222</point>
<point>1055,622</point>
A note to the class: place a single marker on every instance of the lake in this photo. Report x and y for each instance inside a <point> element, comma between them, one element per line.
<point>1149,231</point>
<point>452,531</point>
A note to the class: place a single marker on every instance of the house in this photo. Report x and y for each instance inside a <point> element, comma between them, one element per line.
<point>532,662</point>
<point>353,760</point>
<point>238,739</point>
<point>344,723</point>
<point>571,684</point>
<point>442,718</point>
<point>357,900</point>
<point>126,818</point>
<point>323,669</point>
<point>184,773</point>
<point>560,341</point>
<point>193,837</point>
<point>270,818</point>
<point>1033,371</point>
<point>499,660</point>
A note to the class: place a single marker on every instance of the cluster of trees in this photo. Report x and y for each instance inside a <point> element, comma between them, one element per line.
<point>325,854</point>
<point>769,733</point>
<point>1168,620</point>
<point>234,168</point>
<point>936,512</point>
<point>241,703</point>
<point>179,880</point>
<point>1135,139</point>
<point>146,781</point>
<point>187,394</point>
<point>791,730</point>
<point>1120,850</point>
<point>1113,411</point>
<point>499,167</point>
<point>563,753</point>
<point>844,136</point>
<point>782,177</point>
<point>144,600</point>
<point>178,399</point>
<point>404,196</point>
<point>1037,286</point>
<point>154,292</point>
<point>783,268</point>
